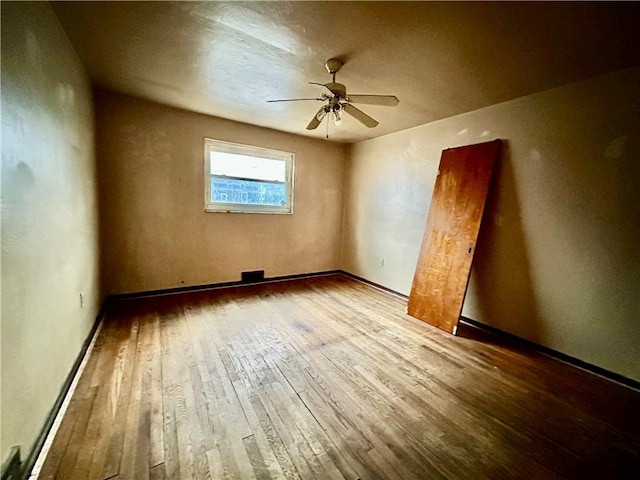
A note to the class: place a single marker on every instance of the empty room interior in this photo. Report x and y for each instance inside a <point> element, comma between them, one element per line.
<point>230,231</point>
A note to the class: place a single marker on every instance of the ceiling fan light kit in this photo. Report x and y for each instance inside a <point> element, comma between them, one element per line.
<point>337,100</point>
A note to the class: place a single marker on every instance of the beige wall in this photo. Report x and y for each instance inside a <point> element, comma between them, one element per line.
<point>49,217</point>
<point>558,260</point>
<point>156,233</point>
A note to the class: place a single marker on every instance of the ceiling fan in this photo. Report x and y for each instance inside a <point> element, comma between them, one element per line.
<point>339,102</point>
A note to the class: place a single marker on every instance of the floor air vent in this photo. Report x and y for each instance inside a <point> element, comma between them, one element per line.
<point>253,277</point>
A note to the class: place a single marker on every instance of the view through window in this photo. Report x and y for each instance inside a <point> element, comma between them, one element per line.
<point>243,178</point>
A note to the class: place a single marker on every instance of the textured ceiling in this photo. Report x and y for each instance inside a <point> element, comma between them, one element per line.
<point>439,58</point>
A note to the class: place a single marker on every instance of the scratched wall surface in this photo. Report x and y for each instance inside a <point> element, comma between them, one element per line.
<point>155,230</point>
<point>49,217</point>
<point>557,260</point>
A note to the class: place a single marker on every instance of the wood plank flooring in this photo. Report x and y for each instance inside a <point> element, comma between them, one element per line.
<point>326,378</point>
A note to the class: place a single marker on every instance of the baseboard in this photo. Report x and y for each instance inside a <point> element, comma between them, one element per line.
<point>576,362</point>
<point>212,286</point>
<point>30,461</point>
<point>373,284</point>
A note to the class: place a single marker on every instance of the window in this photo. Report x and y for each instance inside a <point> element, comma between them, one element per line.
<point>242,178</point>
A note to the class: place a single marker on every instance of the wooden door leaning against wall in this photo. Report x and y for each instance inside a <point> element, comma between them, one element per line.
<point>444,264</point>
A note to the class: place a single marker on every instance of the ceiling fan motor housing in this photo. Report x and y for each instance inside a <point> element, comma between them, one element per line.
<point>338,102</point>
<point>338,89</point>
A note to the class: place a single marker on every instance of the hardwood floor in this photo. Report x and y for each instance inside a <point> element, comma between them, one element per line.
<point>325,378</point>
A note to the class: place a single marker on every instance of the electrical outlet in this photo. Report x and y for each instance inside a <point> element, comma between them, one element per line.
<point>81,300</point>
<point>381,262</point>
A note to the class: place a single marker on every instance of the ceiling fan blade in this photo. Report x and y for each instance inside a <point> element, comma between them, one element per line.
<point>293,100</point>
<point>322,85</point>
<point>386,100</point>
<point>359,115</point>
<point>317,118</point>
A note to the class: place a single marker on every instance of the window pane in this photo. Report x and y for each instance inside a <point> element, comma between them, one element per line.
<point>245,178</point>
<point>233,165</point>
<point>243,192</point>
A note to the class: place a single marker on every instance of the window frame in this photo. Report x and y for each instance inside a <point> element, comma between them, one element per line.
<point>211,144</point>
